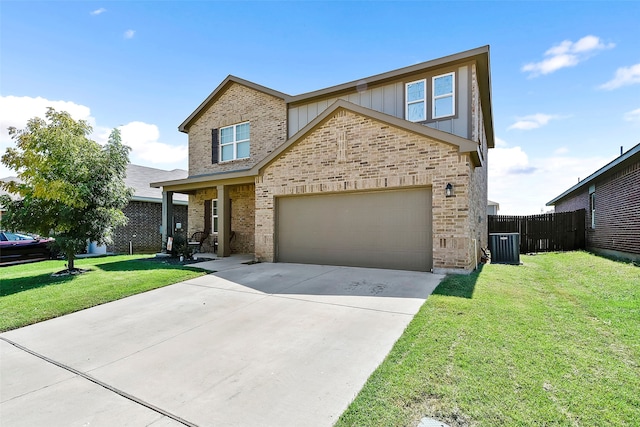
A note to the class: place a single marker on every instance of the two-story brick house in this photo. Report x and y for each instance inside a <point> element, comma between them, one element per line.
<point>388,171</point>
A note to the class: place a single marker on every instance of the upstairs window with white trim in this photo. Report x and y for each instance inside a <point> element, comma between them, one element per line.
<point>234,142</point>
<point>443,101</point>
<point>416,96</point>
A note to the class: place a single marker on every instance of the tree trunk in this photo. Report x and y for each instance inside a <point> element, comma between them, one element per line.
<point>71,259</point>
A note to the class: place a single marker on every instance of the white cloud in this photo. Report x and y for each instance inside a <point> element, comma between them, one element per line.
<point>129,34</point>
<point>632,116</point>
<point>143,140</point>
<point>561,150</point>
<point>141,137</point>
<point>624,76</point>
<point>98,11</point>
<point>533,121</point>
<point>508,161</point>
<point>500,142</point>
<point>17,110</point>
<point>566,54</point>
<point>523,185</point>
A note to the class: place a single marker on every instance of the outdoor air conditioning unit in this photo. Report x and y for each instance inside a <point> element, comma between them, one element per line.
<point>505,248</point>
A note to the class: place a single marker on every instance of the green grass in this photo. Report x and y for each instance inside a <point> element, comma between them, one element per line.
<point>553,342</point>
<point>28,293</point>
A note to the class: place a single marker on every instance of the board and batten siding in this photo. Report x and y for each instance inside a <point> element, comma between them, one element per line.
<point>389,99</point>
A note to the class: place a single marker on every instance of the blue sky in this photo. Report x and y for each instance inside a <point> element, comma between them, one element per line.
<point>565,75</point>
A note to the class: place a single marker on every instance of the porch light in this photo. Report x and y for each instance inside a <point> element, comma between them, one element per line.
<point>448,190</point>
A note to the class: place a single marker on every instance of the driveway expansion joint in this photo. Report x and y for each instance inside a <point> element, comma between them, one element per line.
<point>101,384</point>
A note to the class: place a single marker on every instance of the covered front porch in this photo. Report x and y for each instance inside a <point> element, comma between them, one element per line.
<point>221,211</point>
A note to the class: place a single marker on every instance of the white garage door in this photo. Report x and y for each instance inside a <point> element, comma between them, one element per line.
<point>381,229</point>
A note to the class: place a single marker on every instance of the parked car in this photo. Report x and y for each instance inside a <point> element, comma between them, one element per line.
<point>15,247</point>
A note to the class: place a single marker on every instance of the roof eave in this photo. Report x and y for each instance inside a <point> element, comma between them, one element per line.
<point>612,164</point>
<point>206,180</point>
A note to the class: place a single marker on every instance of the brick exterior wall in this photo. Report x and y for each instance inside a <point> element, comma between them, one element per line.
<point>236,104</point>
<point>479,176</point>
<point>242,216</point>
<point>617,206</point>
<point>145,219</point>
<point>378,156</point>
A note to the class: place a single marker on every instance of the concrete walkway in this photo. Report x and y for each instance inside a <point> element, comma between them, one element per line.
<point>262,344</point>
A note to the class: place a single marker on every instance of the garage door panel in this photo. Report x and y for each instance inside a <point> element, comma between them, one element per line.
<point>384,229</point>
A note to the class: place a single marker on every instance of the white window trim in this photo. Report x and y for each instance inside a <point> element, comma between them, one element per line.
<point>407,102</point>
<point>592,205</point>
<point>214,215</point>
<point>452,95</point>
<point>234,143</point>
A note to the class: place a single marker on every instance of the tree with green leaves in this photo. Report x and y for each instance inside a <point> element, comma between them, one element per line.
<point>69,186</point>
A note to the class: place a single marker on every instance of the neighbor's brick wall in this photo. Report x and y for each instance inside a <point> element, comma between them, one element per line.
<point>618,211</point>
<point>238,103</point>
<point>376,156</point>
<point>242,216</point>
<point>145,219</point>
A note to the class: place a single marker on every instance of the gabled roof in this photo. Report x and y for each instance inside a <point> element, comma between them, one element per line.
<point>202,181</point>
<point>634,152</point>
<point>212,97</point>
<point>480,55</point>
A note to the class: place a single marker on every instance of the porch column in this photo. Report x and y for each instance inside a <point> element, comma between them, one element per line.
<point>224,221</point>
<point>167,218</point>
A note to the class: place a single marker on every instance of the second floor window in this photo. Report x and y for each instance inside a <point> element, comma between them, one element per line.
<point>444,95</point>
<point>416,101</point>
<point>234,142</point>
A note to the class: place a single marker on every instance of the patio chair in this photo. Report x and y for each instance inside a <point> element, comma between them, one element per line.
<point>197,239</point>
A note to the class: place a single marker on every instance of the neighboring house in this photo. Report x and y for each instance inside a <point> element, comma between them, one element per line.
<point>611,197</point>
<point>143,231</point>
<point>492,207</point>
<point>387,171</point>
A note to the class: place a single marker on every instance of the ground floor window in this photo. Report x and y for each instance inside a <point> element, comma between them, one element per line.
<point>214,215</point>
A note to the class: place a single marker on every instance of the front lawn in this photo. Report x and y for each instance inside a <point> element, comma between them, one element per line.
<point>555,341</point>
<point>28,293</point>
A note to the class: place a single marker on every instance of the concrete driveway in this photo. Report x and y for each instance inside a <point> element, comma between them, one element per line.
<point>263,344</point>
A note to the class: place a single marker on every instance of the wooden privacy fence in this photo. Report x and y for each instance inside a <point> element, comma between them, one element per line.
<point>563,231</point>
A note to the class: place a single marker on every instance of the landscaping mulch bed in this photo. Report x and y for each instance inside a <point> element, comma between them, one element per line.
<point>173,260</point>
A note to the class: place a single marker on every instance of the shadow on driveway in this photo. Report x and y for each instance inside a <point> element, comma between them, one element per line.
<point>323,280</point>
